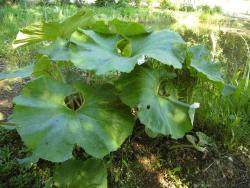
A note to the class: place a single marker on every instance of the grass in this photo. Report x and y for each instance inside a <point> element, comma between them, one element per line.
<point>15,17</point>
<point>226,119</point>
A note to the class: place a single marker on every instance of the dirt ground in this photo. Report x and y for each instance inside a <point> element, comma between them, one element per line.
<point>163,162</point>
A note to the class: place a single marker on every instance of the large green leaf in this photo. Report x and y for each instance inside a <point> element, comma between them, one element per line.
<point>161,114</point>
<point>91,173</point>
<point>128,28</point>
<point>82,19</point>
<point>43,66</point>
<point>50,31</point>
<point>37,32</point>
<point>58,50</point>
<point>201,62</point>
<point>228,90</point>
<point>21,73</point>
<point>116,26</point>
<point>93,51</point>
<point>50,129</point>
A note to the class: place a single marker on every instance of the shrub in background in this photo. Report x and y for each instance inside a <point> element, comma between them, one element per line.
<point>166,4</point>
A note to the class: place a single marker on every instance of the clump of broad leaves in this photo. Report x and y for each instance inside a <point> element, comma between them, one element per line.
<point>89,76</point>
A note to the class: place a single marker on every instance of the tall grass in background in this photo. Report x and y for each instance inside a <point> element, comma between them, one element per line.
<point>14,17</point>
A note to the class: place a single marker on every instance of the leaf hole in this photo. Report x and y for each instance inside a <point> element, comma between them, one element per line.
<point>79,153</point>
<point>148,107</point>
<point>74,101</point>
<point>135,111</point>
<point>162,89</point>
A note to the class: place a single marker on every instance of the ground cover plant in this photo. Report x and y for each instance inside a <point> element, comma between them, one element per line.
<point>65,107</point>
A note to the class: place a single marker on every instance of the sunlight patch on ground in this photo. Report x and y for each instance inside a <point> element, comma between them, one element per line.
<point>148,162</point>
<point>5,103</point>
<point>170,180</point>
<point>2,116</point>
<point>4,85</point>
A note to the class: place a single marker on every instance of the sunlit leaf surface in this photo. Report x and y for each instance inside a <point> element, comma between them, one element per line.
<point>50,31</point>
<point>202,63</point>
<point>161,114</point>
<point>91,173</point>
<point>51,129</point>
<point>103,53</point>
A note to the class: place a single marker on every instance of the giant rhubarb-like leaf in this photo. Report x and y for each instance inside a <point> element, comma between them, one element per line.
<point>51,129</point>
<point>93,51</point>
<point>50,31</point>
<point>116,26</point>
<point>201,62</point>
<point>91,173</point>
<point>161,114</point>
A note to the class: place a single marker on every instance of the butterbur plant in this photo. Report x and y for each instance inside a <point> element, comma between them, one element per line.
<point>64,105</point>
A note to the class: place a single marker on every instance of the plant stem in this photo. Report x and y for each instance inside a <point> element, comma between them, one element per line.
<point>60,73</point>
<point>7,123</point>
